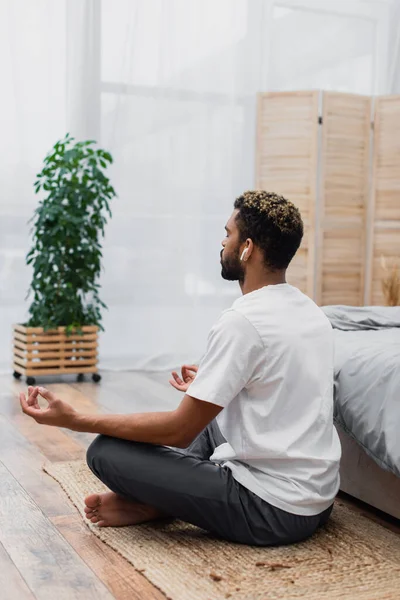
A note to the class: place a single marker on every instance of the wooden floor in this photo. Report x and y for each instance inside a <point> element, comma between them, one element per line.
<point>46,551</point>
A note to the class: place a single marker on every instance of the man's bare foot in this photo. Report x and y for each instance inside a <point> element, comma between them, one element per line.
<point>111,510</point>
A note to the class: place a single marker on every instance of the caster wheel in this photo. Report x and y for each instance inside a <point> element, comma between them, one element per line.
<point>17,375</point>
<point>96,377</point>
<point>30,380</point>
<point>80,377</point>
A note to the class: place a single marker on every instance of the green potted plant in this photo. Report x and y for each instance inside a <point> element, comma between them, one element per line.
<point>61,335</point>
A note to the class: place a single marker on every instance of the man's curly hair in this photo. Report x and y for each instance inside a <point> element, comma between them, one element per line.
<point>273,223</point>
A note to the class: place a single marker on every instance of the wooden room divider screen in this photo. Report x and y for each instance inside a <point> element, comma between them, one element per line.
<point>286,163</point>
<point>384,213</point>
<point>339,162</point>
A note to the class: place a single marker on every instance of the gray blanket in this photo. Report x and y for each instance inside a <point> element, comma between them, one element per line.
<point>367,379</point>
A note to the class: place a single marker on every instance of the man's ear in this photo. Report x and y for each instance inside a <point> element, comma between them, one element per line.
<point>249,248</point>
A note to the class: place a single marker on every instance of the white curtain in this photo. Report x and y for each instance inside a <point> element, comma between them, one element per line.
<point>32,116</point>
<point>393,65</point>
<point>169,88</point>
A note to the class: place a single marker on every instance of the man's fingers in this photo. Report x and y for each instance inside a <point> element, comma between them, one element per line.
<point>185,375</point>
<point>190,369</point>
<point>22,401</point>
<point>188,372</point>
<point>176,385</point>
<point>178,380</point>
<point>28,410</point>
<point>45,393</point>
<point>32,398</point>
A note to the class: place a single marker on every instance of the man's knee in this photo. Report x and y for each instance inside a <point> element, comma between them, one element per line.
<point>107,455</point>
<point>96,453</point>
<point>105,452</point>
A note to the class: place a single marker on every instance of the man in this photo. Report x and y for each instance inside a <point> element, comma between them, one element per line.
<point>261,464</point>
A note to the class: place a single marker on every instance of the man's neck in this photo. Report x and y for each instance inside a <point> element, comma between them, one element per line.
<point>255,281</point>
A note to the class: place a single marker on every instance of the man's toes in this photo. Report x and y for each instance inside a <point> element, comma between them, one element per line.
<point>90,514</point>
<point>92,501</point>
<point>95,519</point>
<point>90,509</point>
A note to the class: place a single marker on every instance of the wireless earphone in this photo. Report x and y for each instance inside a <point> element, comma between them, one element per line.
<point>243,253</point>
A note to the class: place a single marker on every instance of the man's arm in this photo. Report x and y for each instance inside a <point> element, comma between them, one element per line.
<point>170,428</point>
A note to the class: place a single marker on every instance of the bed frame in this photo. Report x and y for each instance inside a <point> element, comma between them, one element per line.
<point>362,478</point>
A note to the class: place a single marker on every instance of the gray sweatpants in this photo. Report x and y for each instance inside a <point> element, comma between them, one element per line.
<point>186,485</point>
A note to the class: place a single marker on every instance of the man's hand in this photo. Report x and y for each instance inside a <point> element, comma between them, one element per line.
<point>57,413</point>
<point>188,375</point>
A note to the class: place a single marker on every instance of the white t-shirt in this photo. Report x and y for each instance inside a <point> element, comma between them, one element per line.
<point>269,363</point>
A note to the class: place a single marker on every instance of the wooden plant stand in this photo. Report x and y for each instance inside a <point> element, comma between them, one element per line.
<point>53,352</point>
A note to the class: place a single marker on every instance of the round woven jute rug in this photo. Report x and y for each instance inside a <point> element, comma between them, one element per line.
<point>351,558</point>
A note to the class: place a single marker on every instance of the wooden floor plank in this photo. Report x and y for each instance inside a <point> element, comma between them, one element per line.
<point>24,460</point>
<point>145,390</point>
<point>81,402</point>
<point>128,392</point>
<point>124,582</point>
<point>48,564</point>
<point>55,444</point>
<point>12,584</point>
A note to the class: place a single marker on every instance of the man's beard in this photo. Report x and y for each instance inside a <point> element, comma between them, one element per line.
<point>232,268</point>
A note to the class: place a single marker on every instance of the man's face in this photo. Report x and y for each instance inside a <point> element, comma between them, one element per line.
<point>231,266</point>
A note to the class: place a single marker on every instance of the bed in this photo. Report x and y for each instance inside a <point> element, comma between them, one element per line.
<point>367,402</point>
